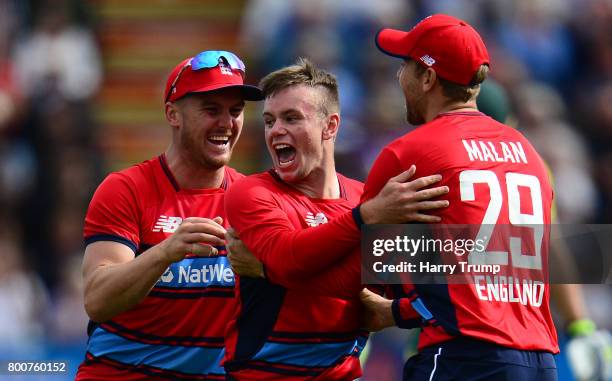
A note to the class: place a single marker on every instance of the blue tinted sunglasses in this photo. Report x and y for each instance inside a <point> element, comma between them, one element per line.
<point>208,60</point>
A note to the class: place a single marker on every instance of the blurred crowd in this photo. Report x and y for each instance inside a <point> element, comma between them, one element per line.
<point>551,78</point>
<point>50,70</point>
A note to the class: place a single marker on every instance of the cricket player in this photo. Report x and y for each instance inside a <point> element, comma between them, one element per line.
<point>495,177</point>
<point>158,287</point>
<point>300,220</point>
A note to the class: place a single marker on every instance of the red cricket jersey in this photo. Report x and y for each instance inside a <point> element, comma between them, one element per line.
<point>495,177</point>
<point>177,331</point>
<point>283,329</point>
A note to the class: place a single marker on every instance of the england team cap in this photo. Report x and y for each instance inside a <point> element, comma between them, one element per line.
<point>447,44</point>
<point>209,71</point>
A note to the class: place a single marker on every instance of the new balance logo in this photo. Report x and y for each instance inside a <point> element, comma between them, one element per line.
<point>428,60</point>
<point>167,224</point>
<point>317,220</point>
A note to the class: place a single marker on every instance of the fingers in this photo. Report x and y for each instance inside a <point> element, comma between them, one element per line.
<point>217,221</point>
<point>208,227</point>
<point>231,234</point>
<point>203,250</point>
<point>235,245</point>
<point>203,237</point>
<point>423,182</point>
<point>231,257</point>
<point>404,176</point>
<point>366,295</point>
<point>430,193</point>
<point>371,300</point>
<point>418,217</point>
<point>428,205</point>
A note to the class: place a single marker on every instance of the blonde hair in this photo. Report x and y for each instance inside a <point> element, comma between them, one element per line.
<point>304,72</point>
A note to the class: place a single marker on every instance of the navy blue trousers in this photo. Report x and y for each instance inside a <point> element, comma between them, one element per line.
<point>465,359</point>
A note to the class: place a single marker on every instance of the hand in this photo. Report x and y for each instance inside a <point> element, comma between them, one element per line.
<point>589,352</point>
<point>377,313</point>
<point>402,201</point>
<point>195,235</point>
<point>243,262</point>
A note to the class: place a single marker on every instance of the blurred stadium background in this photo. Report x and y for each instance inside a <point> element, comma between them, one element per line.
<point>81,87</point>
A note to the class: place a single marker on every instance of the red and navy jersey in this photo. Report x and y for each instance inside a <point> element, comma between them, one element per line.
<point>496,179</point>
<point>177,331</point>
<point>283,329</point>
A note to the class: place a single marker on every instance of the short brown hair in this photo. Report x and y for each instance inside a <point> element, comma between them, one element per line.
<point>457,92</point>
<point>304,72</point>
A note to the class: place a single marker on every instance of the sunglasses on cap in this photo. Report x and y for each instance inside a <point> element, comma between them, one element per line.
<point>207,60</point>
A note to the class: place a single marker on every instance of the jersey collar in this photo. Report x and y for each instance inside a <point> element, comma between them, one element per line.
<point>276,177</point>
<point>172,179</point>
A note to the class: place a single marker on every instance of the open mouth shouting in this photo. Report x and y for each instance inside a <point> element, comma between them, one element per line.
<point>285,154</point>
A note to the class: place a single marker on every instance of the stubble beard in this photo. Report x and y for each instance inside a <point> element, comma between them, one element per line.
<point>413,116</point>
<point>196,153</point>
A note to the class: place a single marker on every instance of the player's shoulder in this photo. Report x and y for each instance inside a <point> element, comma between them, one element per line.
<point>449,126</point>
<point>258,182</point>
<point>136,177</point>
<point>130,187</point>
<point>232,175</point>
<point>415,136</point>
<point>351,186</point>
<point>409,143</point>
<point>512,132</point>
<point>261,178</point>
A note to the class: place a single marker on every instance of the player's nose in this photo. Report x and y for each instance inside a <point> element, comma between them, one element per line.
<point>225,119</point>
<point>277,129</point>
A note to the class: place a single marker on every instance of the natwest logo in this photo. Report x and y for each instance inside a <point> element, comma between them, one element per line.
<point>167,276</point>
<point>205,274</point>
<point>167,224</point>
<point>199,275</point>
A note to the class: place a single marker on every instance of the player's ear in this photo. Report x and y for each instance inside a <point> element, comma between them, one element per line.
<point>331,129</point>
<point>428,79</point>
<point>173,116</point>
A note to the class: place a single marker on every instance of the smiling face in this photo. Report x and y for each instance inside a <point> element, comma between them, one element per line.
<point>294,130</point>
<point>209,125</point>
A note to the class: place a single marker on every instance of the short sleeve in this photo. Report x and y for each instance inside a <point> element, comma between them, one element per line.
<point>113,213</point>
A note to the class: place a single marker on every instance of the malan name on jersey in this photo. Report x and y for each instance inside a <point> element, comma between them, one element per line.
<point>488,151</point>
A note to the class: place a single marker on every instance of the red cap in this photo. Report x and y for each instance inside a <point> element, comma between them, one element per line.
<point>447,44</point>
<point>209,79</point>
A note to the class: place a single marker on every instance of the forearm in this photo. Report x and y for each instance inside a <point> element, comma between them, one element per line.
<point>569,301</point>
<point>342,280</point>
<point>115,288</point>
<point>304,253</point>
